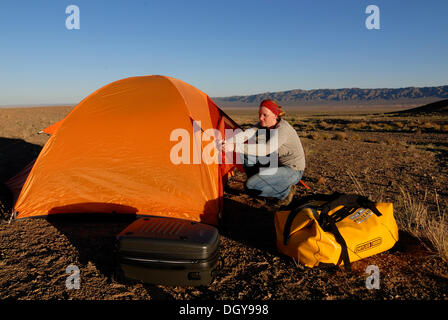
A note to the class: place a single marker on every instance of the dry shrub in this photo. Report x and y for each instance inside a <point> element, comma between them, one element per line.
<point>412,213</point>
<point>431,126</point>
<point>432,229</point>
<point>444,128</point>
<point>387,127</point>
<point>325,136</point>
<point>358,186</point>
<point>357,125</point>
<point>367,190</point>
<point>336,126</point>
<point>299,123</point>
<point>356,137</point>
<point>362,125</point>
<point>340,136</point>
<point>399,124</point>
<point>353,125</point>
<point>321,180</point>
<point>411,125</point>
<point>413,216</point>
<point>313,136</point>
<point>323,124</point>
<point>428,125</point>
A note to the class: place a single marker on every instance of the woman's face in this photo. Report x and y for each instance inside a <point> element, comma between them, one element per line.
<point>266,117</point>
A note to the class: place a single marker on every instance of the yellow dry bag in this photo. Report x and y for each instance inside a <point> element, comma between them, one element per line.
<point>336,229</point>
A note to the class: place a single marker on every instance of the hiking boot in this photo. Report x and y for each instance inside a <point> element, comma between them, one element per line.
<point>289,197</point>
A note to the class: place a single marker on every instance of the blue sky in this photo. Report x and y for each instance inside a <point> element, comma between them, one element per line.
<point>221,47</point>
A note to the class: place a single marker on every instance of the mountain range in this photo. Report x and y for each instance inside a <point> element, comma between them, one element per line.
<point>300,97</point>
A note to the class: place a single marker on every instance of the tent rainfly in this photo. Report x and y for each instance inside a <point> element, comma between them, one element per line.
<point>113,153</point>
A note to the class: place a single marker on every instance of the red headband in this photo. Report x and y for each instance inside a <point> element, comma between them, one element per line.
<point>271,106</point>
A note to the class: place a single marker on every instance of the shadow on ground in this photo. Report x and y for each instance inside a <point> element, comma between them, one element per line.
<point>248,225</point>
<point>15,154</point>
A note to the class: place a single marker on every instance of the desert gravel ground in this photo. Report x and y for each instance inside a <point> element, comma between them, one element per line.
<point>34,253</point>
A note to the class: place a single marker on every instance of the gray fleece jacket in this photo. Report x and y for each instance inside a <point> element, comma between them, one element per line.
<point>282,139</point>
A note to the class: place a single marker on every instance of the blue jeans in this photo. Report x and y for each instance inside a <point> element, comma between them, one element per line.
<point>273,182</point>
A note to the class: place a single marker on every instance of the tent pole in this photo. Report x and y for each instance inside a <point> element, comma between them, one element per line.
<point>13,216</point>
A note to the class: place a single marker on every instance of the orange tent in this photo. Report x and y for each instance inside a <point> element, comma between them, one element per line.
<point>113,154</point>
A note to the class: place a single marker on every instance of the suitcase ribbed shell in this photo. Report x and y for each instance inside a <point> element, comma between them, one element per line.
<point>168,238</point>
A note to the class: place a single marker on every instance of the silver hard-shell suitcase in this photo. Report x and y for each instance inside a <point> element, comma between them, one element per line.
<point>168,251</point>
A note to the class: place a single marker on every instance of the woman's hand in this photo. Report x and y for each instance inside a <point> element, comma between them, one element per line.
<point>228,146</point>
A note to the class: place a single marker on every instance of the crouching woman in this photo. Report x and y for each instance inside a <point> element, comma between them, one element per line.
<point>273,158</point>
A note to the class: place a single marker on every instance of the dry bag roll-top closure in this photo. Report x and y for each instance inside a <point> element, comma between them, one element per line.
<point>336,229</point>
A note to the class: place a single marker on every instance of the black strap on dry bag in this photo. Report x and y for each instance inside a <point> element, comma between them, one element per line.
<point>350,203</point>
<point>304,203</point>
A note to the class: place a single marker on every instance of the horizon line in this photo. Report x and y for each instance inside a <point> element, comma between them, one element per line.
<point>69,104</point>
